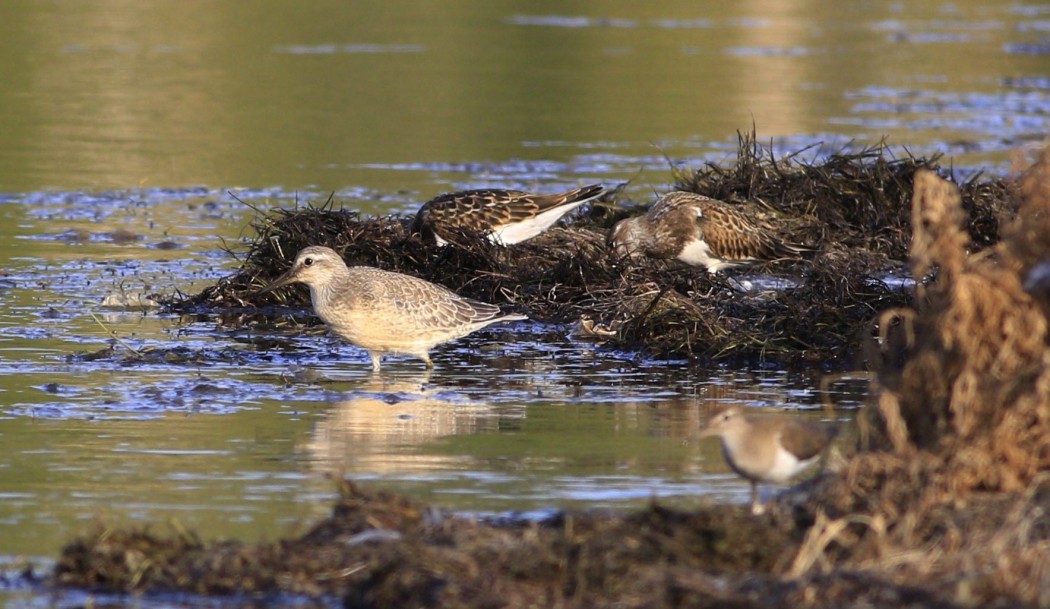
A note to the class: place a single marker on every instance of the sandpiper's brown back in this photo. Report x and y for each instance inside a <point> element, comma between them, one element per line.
<point>806,439</point>
<point>731,234</point>
<point>491,211</point>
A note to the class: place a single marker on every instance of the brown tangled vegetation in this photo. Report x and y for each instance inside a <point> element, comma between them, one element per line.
<point>854,207</point>
<point>943,504</point>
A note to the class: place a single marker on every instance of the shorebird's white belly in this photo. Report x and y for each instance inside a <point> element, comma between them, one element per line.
<point>786,466</point>
<point>516,232</point>
<point>697,253</point>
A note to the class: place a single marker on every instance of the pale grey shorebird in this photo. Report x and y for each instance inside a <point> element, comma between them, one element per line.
<point>384,312</point>
<point>699,231</point>
<point>767,448</point>
<point>505,216</point>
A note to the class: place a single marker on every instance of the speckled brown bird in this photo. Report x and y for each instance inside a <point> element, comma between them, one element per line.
<point>505,216</point>
<point>384,312</point>
<point>699,231</point>
<point>768,448</point>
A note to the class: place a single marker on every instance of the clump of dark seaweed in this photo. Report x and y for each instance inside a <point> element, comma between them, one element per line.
<point>854,207</point>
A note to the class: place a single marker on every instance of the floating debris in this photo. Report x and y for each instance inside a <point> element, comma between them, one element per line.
<point>130,301</point>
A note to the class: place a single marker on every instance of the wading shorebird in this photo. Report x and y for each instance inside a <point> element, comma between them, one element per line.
<point>698,231</point>
<point>384,312</point>
<point>505,216</point>
<point>767,448</point>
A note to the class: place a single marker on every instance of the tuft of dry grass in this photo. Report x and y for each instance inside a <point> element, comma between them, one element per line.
<point>953,484</point>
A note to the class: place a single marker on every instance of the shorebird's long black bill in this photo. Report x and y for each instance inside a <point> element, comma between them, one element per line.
<point>283,280</point>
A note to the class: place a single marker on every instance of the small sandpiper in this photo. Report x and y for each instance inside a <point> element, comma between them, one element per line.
<point>768,448</point>
<point>505,216</point>
<point>384,312</point>
<point>698,231</point>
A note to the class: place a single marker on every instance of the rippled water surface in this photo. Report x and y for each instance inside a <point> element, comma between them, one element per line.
<point>133,130</point>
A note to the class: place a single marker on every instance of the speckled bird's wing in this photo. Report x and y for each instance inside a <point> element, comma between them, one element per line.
<point>484,210</point>
<point>528,205</point>
<point>474,210</point>
<point>674,203</point>
<point>672,222</point>
<point>733,235</point>
<point>416,305</point>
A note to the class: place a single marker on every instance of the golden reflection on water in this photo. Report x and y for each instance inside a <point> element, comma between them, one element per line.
<point>119,94</point>
<point>380,430</point>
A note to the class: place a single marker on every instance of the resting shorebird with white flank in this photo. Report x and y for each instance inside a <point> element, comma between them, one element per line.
<point>767,448</point>
<point>384,312</point>
<point>505,216</point>
<point>698,231</point>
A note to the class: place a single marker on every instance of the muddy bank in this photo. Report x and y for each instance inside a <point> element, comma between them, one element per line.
<point>380,550</point>
<point>942,504</point>
<point>854,208</point>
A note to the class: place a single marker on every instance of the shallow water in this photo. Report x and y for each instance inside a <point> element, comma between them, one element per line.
<point>122,416</point>
<point>131,130</point>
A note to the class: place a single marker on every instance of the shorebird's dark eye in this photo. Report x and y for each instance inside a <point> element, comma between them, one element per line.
<point>308,261</point>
